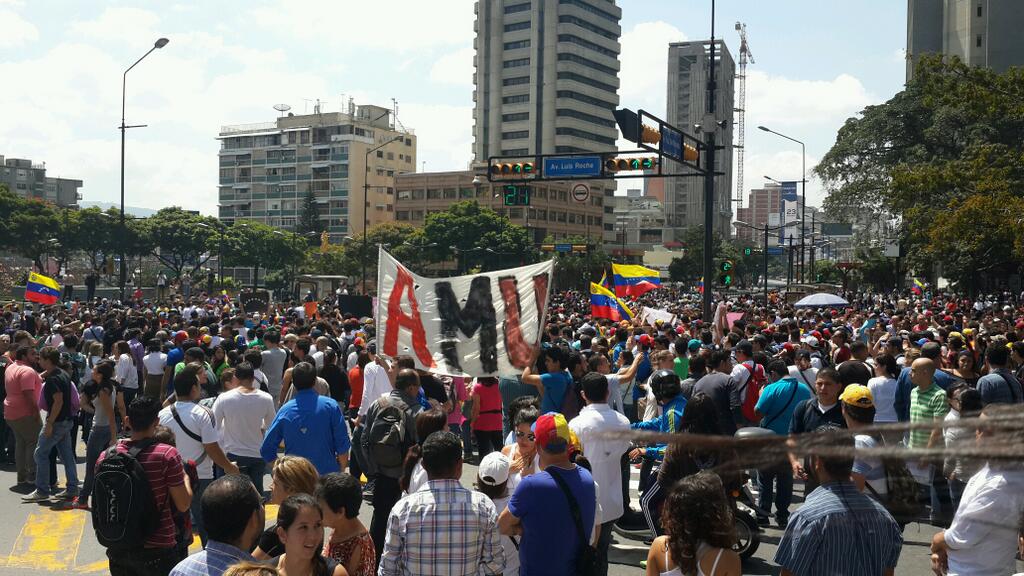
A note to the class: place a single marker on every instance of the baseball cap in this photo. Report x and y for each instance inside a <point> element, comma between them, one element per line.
<point>645,340</point>
<point>857,395</point>
<point>551,432</point>
<point>372,347</point>
<point>923,341</point>
<point>494,469</point>
<point>693,345</point>
<point>811,341</point>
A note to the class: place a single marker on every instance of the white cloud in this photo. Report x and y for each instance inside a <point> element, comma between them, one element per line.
<point>454,68</point>
<point>644,62</point>
<point>15,30</point>
<point>122,25</point>
<point>781,165</point>
<point>777,100</point>
<point>444,134</point>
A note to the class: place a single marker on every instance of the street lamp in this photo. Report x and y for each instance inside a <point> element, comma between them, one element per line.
<point>366,194</point>
<point>803,189</point>
<point>766,230</point>
<point>160,43</point>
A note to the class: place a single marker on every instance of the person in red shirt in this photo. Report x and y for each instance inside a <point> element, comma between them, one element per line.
<point>168,483</point>
<point>22,384</point>
<point>355,382</point>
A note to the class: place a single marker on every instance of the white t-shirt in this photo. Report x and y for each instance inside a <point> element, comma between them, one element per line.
<point>242,417</point>
<point>318,359</point>
<point>418,478</point>
<point>982,539</point>
<point>509,548</point>
<point>200,422</point>
<point>155,362</point>
<point>375,384</point>
<point>125,373</point>
<point>806,376</point>
<point>883,391</point>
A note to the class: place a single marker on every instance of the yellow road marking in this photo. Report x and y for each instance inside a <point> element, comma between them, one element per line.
<point>48,541</point>
<point>99,566</point>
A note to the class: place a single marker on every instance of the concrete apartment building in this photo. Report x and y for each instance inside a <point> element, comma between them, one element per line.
<point>979,32</point>
<point>268,169</point>
<point>639,226</point>
<point>29,180</point>
<point>552,210</point>
<point>761,202</point>
<point>688,68</point>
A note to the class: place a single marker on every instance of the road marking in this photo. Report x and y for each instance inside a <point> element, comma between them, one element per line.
<point>48,541</point>
<point>100,566</point>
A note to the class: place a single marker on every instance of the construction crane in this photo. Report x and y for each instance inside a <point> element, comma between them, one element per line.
<point>741,86</point>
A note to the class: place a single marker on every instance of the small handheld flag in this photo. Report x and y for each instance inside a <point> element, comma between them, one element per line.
<point>633,280</point>
<point>41,289</point>
<point>604,304</point>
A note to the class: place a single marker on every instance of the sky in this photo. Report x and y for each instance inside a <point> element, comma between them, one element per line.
<point>816,63</point>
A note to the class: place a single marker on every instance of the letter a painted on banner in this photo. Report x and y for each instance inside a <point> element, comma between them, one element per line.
<point>411,322</point>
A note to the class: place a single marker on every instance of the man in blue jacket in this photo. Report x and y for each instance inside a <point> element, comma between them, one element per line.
<point>665,384</point>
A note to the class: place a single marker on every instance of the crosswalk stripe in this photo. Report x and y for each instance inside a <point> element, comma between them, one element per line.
<point>48,541</point>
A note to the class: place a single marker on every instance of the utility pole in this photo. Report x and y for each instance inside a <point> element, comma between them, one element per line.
<point>709,175</point>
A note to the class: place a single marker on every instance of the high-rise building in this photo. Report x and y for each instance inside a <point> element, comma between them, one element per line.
<point>546,76</point>
<point>267,170</point>
<point>979,32</point>
<point>688,69</point>
<point>761,202</point>
<point>29,180</point>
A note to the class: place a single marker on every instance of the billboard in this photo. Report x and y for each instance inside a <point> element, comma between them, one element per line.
<point>836,229</point>
<point>789,209</point>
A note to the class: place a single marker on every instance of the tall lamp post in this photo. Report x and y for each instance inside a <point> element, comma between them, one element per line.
<point>803,189</point>
<point>160,43</point>
<point>366,194</point>
<point>765,230</point>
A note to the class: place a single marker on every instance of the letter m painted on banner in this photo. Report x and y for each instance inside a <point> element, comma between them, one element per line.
<point>478,314</point>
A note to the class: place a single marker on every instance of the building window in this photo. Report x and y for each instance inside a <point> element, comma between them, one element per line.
<point>573,39</point>
<point>391,155</point>
<point>979,10</point>
<point>586,80</point>
<point>572,113</point>
<point>585,135</point>
<point>512,9</point>
<point>433,194</point>
<point>588,26</point>
<point>516,62</point>
<point>418,194</point>
<point>380,153</point>
<point>515,117</point>
<point>448,193</point>
<point>977,41</point>
<point>517,99</point>
<point>517,44</point>
<point>515,135</point>
<point>592,9</point>
<point>517,26</point>
<point>518,80</point>
<point>408,141</point>
<point>401,215</point>
<point>515,152</point>
<point>465,192</point>
<point>585,99</point>
<point>564,57</point>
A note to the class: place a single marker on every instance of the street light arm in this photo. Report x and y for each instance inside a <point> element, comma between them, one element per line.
<point>766,129</point>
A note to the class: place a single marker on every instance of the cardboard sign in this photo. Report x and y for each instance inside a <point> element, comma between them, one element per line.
<point>481,325</point>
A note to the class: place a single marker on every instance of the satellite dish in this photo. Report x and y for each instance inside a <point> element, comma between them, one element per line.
<point>282,108</point>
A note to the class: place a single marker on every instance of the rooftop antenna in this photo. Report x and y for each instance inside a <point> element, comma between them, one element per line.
<point>282,108</point>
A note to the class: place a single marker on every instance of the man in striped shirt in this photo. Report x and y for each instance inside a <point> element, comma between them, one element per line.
<point>928,404</point>
<point>839,531</point>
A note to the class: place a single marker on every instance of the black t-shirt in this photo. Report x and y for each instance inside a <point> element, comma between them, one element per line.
<point>270,543</point>
<point>854,372</point>
<point>56,382</point>
<point>808,418</point>
<point>432,388</point>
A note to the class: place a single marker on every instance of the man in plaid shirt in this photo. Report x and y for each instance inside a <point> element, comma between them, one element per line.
<point>443,528</point>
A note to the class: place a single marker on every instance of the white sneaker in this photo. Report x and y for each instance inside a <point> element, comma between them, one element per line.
<point>35,496</point>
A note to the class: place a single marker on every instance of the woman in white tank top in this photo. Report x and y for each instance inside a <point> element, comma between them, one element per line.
<point>523,452</point>
<point>700,537</point>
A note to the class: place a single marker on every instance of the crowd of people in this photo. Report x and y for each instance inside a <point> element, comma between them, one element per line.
<point>195,402</point>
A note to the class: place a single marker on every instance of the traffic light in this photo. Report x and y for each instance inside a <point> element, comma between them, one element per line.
<point>725,273</point>
<point>649,135</point>
<point>515,195</point>
<point>628,164</point>
<point>690,153</point>
<point>512,169</point>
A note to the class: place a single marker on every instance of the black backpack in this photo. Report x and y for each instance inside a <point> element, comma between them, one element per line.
<point>386,437</point>
<point>124,511</point>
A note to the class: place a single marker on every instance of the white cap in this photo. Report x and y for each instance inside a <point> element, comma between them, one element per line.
<point>494,469</point>
<point>811,341</point>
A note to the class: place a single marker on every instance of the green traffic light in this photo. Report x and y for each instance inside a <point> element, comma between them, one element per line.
<point>517,168</point>
<point>647,163</point>
<point>747,251</point>
<point>527,168</point>
<point>634,163</point>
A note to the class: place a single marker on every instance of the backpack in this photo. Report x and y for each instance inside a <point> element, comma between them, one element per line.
<point>752,390</point>
<point>903,497</point>
<point>124,511</point>
<point>387,439</point>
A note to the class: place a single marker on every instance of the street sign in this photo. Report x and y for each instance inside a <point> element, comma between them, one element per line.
<point>572,167</point>
<point>775,250</point>
<point>671,142</point>
<point>563,247</point>
<point>580,192</point>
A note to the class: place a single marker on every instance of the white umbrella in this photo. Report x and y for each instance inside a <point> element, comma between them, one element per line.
<point>821,300</point>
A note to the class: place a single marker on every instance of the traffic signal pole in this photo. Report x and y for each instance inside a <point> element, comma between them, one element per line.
<point>709,177</point>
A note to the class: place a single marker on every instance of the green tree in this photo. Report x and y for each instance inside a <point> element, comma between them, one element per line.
<point>575,270</point>
<point>476,237</point>
<point>28,226</point>
<point>309,219</point>
<point>403,241</point>
<point>175,238</point>
<point>256,245</point>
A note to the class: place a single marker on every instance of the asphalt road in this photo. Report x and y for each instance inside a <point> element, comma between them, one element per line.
<point>35,539</point>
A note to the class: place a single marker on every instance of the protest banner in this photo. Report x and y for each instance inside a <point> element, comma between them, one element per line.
<point>651,315</point>
<point>254,301</point>
<point>485,324</point>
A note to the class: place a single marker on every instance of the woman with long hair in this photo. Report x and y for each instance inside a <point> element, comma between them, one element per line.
<point>300,527</point>
<point>883,388</point>
<point>486,416</point>
<point>699,526</point>
<point>125,373</point>
<point>523,452</point>
<point>99,397</point>
<point>290,475</point>
<point>413,474</point>
<point>965,369</point>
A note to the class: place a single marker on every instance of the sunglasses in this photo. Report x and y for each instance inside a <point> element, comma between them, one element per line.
<point>529,435</point>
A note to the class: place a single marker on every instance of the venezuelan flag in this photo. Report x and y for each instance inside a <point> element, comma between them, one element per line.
<point>700,285</point>
<point>604,304</point>
<point>918,287</point>
<point>41,289</point>
<point>633,280</point>
<point>604,281</point>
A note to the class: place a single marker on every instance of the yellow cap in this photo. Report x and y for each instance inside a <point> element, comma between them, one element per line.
<point>857,395</point>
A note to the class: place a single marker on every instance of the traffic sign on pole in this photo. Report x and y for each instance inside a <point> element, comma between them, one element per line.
<point>572,167</point>
<point>580,192</point>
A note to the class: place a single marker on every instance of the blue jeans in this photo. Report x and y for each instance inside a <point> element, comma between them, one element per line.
<point>781,477</point>
<point>99,439</point>
<point>196,511</point>
<point>61,439</point>
<point>466,434</point>
<point>956,492</point>
<point>254,468</point>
